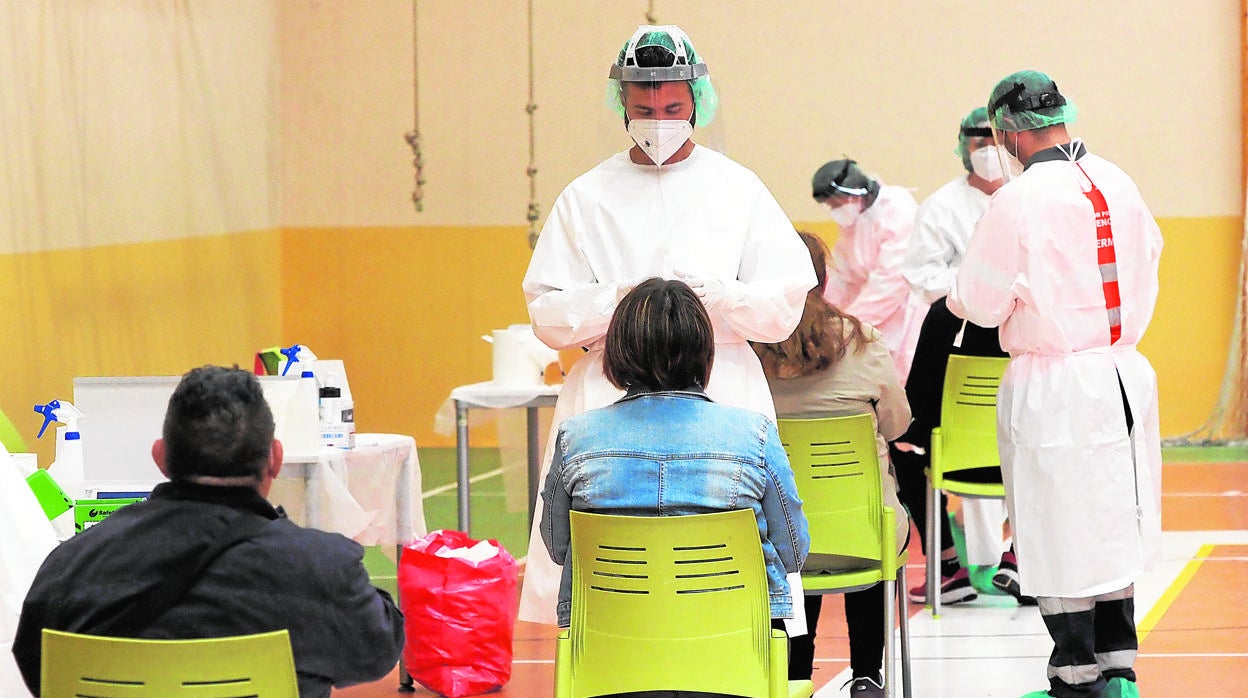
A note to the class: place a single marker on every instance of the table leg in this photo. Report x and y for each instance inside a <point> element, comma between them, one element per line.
<point>311,495</point>
<point>461,464</point>
<point>406,684</point>
<point>535,460</point>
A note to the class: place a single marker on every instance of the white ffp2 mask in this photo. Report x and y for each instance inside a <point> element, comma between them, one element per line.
<point>846,213</point>
<point>660,139</point>
<point>987,164</point>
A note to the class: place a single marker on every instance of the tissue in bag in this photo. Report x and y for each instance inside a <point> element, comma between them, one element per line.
<point>459,610</point>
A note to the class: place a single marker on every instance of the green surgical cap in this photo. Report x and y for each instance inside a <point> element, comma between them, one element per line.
<point>977,118</point>
<point>705,100</point>
<point>1028,100</point>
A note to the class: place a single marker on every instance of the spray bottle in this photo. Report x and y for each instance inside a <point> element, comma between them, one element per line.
<point>66,469</point>
<point>296,354</point>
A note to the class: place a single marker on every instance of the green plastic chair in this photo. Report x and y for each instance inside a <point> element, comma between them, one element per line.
<point>107,667</point>
<point>965,439</point>
<point>853,538</point>
<point>677,603</point>
<point>10,436</point>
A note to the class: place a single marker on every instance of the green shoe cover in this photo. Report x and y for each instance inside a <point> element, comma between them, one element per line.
<point>1039,694</point>
<point>1119,687</point>
<point>981,579</point>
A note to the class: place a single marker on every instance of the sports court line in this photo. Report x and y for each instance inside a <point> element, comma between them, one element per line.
<point>1172,592</point>
<point>452,485</point>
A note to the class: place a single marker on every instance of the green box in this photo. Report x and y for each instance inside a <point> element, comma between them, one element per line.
<point>50,495</point>
<point>89,512</point>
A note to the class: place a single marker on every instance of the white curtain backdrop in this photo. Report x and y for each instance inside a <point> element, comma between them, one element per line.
<point>126,120</point>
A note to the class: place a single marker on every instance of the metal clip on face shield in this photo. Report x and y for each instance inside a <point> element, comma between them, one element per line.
<point>1017,103</point>
<point>1015,100</point>
<point>679,69</point>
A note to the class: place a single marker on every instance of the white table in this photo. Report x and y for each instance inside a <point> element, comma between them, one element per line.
<point>489,395</point>
<point>370,494</point>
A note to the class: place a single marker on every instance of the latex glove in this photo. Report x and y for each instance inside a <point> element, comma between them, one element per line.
<point>710,291</point>
<point>623,288</point>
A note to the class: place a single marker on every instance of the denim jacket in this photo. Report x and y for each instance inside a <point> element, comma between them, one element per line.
<point>673,454</point>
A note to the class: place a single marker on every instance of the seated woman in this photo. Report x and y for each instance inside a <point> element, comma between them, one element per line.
<point>834,365</point>
<point>709,457</point>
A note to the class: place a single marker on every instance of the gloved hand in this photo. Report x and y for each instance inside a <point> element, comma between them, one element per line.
<point>622,288</point>
<point>710,291</point>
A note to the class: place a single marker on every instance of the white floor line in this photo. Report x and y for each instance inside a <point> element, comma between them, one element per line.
<point>1001,650</point>
<point>452,485</point>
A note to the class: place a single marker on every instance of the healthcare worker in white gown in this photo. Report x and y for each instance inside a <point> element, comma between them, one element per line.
<point>697,216</point>
<point>942,229</point>
<point>1065,260</point>
<point>865,278</point>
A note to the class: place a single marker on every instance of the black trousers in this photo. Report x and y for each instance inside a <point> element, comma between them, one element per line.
<point>1094,640</point>
<point>910,470</point>
<point>864,616</point>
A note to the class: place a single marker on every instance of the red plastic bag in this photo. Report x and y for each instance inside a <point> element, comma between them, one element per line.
<point>459,614</point>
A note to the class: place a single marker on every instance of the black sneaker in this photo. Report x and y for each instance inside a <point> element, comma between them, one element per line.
<point>954,589</point>
<point>1006,579</point>
<point>865,687</point>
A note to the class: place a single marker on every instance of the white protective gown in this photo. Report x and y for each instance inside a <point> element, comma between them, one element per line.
<point>941,230</point>
<point>865,278</point>
<point>621,223</point>
<point>1084,496</point>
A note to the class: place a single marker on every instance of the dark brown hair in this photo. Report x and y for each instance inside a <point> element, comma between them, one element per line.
<point>660,338</point>
<point>822,336</point>
<point>217,424</point>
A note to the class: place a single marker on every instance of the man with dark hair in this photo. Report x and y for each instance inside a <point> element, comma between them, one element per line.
<point>207,556</point>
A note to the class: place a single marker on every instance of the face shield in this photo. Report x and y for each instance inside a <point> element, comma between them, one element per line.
<point>662,89</point>
<point>844,189</point>
<point>980,154</point>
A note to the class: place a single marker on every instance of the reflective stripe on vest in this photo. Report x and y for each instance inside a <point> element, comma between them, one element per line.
<point>1105,258</point>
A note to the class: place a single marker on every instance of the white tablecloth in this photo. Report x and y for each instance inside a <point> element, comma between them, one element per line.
<point>370,494</point>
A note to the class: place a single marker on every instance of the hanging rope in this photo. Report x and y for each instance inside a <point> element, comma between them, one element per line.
<point>413,137</point>
<point>534,211</point>
<point>650,14</point>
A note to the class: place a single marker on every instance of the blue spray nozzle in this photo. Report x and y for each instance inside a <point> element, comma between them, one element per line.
<point>49,415</point>
<point>290,353</point>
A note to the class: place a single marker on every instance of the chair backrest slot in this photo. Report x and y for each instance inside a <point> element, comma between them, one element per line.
<point>260,665</point>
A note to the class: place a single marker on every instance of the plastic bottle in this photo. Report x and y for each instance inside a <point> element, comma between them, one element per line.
<point>67,467</point>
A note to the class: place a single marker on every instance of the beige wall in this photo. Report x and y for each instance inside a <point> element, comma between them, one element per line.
<point>801,83</point>
<point>190,182</point>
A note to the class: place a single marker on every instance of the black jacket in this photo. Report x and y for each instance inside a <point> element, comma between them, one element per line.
<point>310,582</point>
<point>926,382</point>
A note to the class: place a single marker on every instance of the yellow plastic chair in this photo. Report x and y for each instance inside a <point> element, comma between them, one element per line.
<point>965,439</point>
<point>10,437</point>
<point>229,667</point>
<point>677,603</point>
<point>853,539</point>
